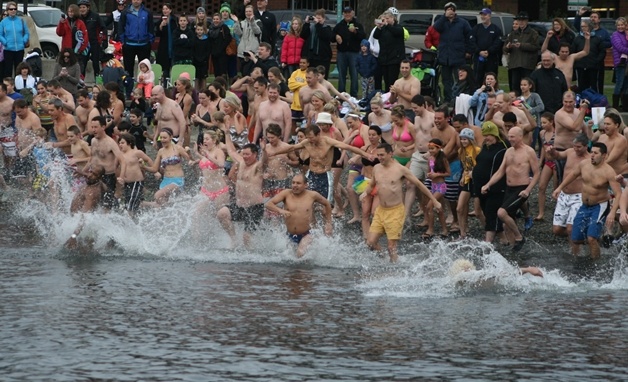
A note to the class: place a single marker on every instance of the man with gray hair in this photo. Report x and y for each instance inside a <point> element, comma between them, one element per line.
<point>549,82</point>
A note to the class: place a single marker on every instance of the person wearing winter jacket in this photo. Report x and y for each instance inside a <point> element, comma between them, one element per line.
<point>220,36</point>
<point>14,36</point>
<point>366,66</point>
<point>73,32</point>
<point>201,47</point>
<point>522,46</point>
<point>96,33</point>
<point>182,43</point>
<point>619,40</point>
<point>292,47</point>
<point>281,35</point>
<point>348,34</point>
<point>432,37</point>
<point>453,47</point>
<point>145,78</point>
<point>165,31</point>
<point>318,38</point>
<point>249,30</point>
<point>587,67</point>
<point>392,48</point>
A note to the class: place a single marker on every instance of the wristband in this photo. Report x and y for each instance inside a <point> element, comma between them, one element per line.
<point>73,236</point>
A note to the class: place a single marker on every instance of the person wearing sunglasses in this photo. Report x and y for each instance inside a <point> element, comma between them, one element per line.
<point>14,37</point>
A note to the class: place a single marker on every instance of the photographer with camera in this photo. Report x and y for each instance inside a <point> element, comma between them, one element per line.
<point>479,99</point>
<point>318,38</point>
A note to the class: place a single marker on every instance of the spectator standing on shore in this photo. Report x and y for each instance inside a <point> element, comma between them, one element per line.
<point>348,34</point>
<point>454,47</point>
<point>97,34</point>
<point>318,38</point>
<point>14,36</point>
<point>166,31</point>
<point>523,46</point>
<point>486,42</point>
<point>392,49</point>
<point>136,34</point>
<point>605,42</point>
<point>269,22</point>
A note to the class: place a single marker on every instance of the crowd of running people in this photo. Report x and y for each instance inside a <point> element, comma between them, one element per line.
<point>268,159</point>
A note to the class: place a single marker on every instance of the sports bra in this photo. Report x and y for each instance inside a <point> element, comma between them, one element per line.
<point>367,162</point>
<point>405,135</point>
<point>207,164</point>
<point>304,162</point>
<point>170,161</point>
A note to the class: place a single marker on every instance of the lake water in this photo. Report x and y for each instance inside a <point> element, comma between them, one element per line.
<point>165,304</point>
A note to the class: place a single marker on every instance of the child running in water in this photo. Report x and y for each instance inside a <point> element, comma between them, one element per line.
<point>467,154</point>
<point>81,154</point>
<point>439,170</point>
<point>548,171</point>
<point>145,78</point>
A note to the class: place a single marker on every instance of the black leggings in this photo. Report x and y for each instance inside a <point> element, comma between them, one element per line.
<point>11,60</point>
<point>490,203</point>
<point>390,73</point>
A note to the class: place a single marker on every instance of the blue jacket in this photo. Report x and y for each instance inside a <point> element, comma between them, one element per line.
<point>454,40</point>
<point>13,33</point>
<point>136,29</point>
<point>366,64</point>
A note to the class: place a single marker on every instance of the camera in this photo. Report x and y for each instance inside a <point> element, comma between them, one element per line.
<point>488,89</point>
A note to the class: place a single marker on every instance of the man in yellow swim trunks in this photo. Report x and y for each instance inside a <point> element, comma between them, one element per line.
<point>390,214</point>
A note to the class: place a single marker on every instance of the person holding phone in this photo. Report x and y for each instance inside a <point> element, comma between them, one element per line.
<point>522,45</point>
<point>318,38</point>
<point>73,31</point>
<point>68,71</point>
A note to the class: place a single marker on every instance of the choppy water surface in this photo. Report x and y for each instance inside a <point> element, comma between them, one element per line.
<point>160,308</point>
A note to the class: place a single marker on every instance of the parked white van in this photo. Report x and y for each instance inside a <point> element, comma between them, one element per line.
<point>416,21</point>
<point>46,19</point>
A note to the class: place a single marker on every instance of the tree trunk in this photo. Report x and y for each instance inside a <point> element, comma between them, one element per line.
<point>370,10</point>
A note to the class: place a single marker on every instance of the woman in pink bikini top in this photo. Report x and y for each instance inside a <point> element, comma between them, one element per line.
<point>211,161</point>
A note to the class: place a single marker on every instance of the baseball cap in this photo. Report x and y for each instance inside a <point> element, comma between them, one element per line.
<point>347,9</point>
<point>485,11</point>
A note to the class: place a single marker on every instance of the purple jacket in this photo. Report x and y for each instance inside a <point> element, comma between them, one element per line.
<point>620,46</point>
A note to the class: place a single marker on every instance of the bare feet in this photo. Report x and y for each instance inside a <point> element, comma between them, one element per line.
<point>354,220</point>
<point>538,218</point>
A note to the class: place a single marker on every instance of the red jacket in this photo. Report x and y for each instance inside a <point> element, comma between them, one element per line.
<point>432,37</point>
<point>291,49</point>
<point>76,39</point>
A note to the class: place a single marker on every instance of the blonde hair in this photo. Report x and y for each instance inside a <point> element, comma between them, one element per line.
<point>331,108</point>
<point>233,101</point>
<point>459,266</point>
<point>219,116</point>
<point>377,99</point>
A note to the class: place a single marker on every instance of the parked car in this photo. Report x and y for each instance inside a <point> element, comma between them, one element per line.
<point>416,21</point>
<point>46,19</point>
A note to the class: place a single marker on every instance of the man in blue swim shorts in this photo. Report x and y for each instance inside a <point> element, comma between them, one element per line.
<point>298,204</point>
<point>595,212</point>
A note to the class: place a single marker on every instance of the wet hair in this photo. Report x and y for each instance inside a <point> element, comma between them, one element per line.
<point>386,146</point>
<point>74,129</point>
<point>129,139</point>
<point>601,146</point>
<point>20,103</point>
<point>40,132</point>
<point>510,117</point>
<point>274,129</point>
<point>418,100</point>
<point>440,160</point>
<point>168,131</point>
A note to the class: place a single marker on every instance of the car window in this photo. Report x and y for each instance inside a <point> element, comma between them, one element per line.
<point>416,24</point>
<point>507,20</point>
<point>472,20</point>
<point>46,18</point>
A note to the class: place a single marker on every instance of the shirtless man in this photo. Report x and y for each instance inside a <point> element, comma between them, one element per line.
<point>570,197</point>
<point>321,152</point>
<point>597,178</point>
<point>260,87</point>
<point>503,105</point>
<point>447,134</point>
<point>564,61</point>
<point>305,94</point>
<point>87,200</point>
<point>249,203</point>
<point>54,88</point>
<point>132,177</point>
<point>106,153</point>
<point>276,167</point>
<point>423,123</point>
<point>615,142</point>
<point>85,106</point>
<point>519,161</point>
<point>390,214</point>
<point>62,121</point>
<point>405,88</point>
<point>8,134</point>
<point>298,207</point>
<point>168,114</point>
<point>80,150</point>
<point>275,111</point>
<point>245,84</point>
<point>569,122</point>
<point>25,119</point>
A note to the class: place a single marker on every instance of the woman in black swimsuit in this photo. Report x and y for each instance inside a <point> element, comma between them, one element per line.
<point>371,201</point>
